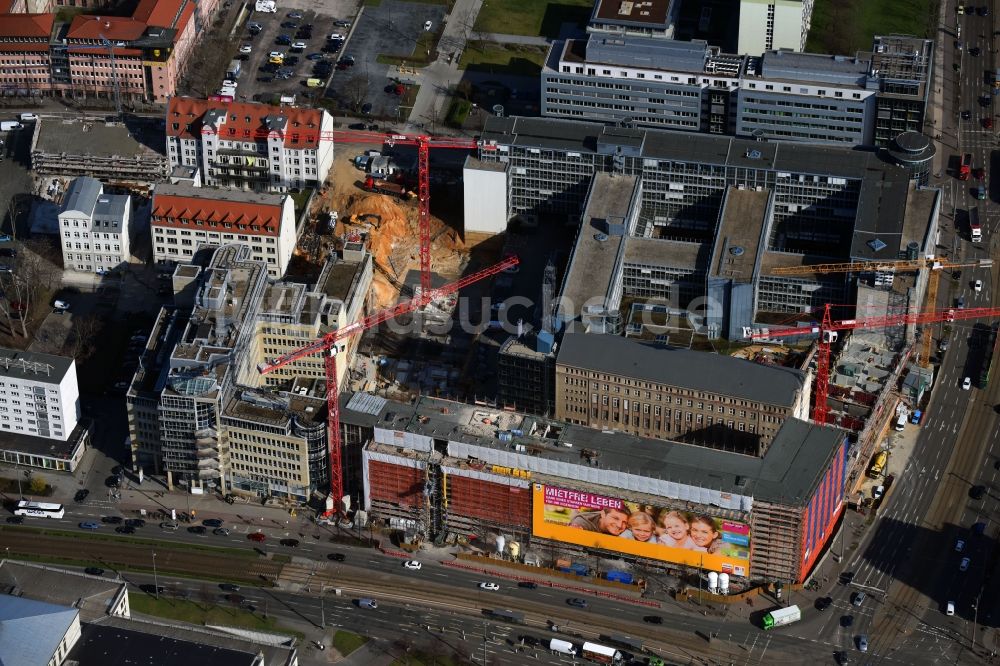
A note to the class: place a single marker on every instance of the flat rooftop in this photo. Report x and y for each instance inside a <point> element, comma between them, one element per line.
<point>472,162</point>
<point>93,139</point>
<point>879,231</point>
<point>678,146</point>
<point>650,12</point>
<point>738,239</point>
<point>214,193</point>
<point>33,366</point>
<point>698,371</point>
<point>43,446</point>
<point>788,472</point>
<point>93,596</point>
<point>677,255</point>
<point>120,646</point>
<point>595,255</point>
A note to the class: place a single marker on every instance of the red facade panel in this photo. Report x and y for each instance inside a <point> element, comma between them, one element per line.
<point>494,502</point>
<point>395,483</point>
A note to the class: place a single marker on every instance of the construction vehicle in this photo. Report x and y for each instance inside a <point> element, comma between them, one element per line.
<point>782,616</point>
<point>386,187</point>
<point>328,346</point>
<point>828,331</point>
<point>965,167</point>
<point>935,266</point>
<point>878,464</point>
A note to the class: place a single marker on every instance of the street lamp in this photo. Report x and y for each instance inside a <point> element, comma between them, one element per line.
<point>156,583</point>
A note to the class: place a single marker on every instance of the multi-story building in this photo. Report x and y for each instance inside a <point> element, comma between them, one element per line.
<point>200,412</point>
<point>250,146</point>
<point>108,151</point>
<point>669,221</point>
<point>184,217</point>
<point>867,99</point>
<point>94,227</point>
<point>148,52</point>
<point>611,383</point>
<point>39,395</point>
<point>774,24</point>
<point>436,467</point>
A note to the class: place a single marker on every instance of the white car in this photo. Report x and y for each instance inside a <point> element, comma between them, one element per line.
<point>300,46</point>
<point>63,305</point>
<point>412,565</point>
<point>967,383</point>
<point>959,546</point>
<point>427,25</point>
<point>275,54</point>
<point>229,83</point>
<point>978,286</point>
<point>489,586</point>
<point>246,48</point>
<point>336,37</point>
<point>964,564</point>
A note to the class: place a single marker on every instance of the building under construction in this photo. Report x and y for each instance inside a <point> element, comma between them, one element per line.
<point>108,151</point>
<point>448,470</point>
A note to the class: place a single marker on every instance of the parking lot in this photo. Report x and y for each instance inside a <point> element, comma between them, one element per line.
<point>390,28</point>
<point>260,82</point>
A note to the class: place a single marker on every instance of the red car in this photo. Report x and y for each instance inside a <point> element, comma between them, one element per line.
<point>988,123</point>
<point>259,537</point>
<point>980,174</point>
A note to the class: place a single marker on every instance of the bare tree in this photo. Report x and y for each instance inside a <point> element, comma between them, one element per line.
<point>84,336</point>
<point>33,277</point>
<point>356,90</point>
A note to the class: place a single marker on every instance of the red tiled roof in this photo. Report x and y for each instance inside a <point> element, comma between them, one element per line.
<point>161,13</point>
<point>26,25</point>
<point>115,28</point>
<point>244,121</point>
<point>243,217</point>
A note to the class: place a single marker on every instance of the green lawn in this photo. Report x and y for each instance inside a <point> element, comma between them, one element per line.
<point>346,642</point>
<point>847,26</point>
<point>503,59</point>
<point>195,612</point>
<point>531,17</point>
<point>458,112</point>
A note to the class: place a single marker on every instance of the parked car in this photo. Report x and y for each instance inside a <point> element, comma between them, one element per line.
<point>212,522</point>
<point>81,495</point>
<point>170,526</point>
<point>294,15</point>
<point>220,531</point>
<point>823,603</point>
<point>135,522</point>
<point>859,599</point>
<point>967,383</point>
<point>428,25</point>
<point>977,286</point>
<point>246,48</point>
<point>959,546</point>
<point>964,564</point>
<point>977,492</point>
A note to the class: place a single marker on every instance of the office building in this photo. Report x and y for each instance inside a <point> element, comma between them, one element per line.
<point>862,100</point>
<point>611,383</point>
<point>94,227</point>
<point>774,24</point>
<point>201,413</point>
<point>185,217</point>
<point>437,468</point>
<point>250,146</point>
<point>39,395</point>
<point>134,58</point>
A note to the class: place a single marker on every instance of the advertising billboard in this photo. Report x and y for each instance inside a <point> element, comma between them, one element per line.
<point>657,532</point>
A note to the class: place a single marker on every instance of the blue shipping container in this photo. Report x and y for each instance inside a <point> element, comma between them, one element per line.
<point>619,576</point>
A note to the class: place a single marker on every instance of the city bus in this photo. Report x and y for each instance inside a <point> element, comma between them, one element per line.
<point>39,509</point>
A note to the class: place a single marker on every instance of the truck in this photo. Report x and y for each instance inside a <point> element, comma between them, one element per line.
<point>233,71</point>
<point>562,647</point>
<point>266,6</point>
<point>975,228</point>
<point>10,125</point>
<point>965,167</point>
<point>602,654</point>
<point>878,464</point>
<point>386,187</point>
<point>782,616</point>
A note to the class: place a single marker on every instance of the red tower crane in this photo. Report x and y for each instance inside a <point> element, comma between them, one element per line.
<point>828,329</point>
<point>328,346</point>
<point>423,143</point>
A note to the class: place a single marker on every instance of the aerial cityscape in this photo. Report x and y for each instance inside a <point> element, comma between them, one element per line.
<point>481,332</point>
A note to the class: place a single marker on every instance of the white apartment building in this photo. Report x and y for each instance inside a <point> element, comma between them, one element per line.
<point>184,217</point>
<point>39,395</point>
<point>767,25</point>
<point>250,146</point>
<point>93,227</point>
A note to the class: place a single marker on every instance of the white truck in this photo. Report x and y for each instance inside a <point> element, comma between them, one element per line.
<point>266,6</point>
<point>782,616</point>
<point>562,647</point>
<point>10,125</point>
